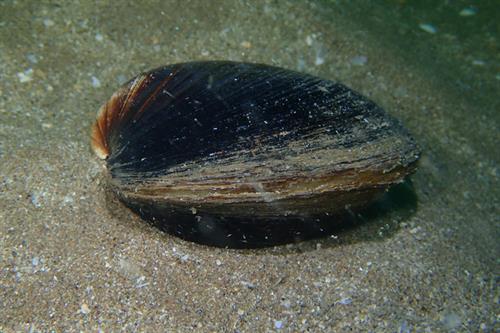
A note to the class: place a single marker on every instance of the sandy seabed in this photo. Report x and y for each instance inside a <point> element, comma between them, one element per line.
<point>73,260</point>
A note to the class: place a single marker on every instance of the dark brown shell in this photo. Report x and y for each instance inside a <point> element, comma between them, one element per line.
<point>229,153</point>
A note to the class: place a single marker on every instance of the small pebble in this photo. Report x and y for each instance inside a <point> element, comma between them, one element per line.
<point>68,199</point>
<point>95,82</point>
<point>35,199</point>
<point>468,11</point>
<point>99,37</point>
<point>140,282</point>
<point>345,301</point>
<point>246,44</point>
<point>218,262</point>
<point>428,28</point>
<point>25,76</point>
<point>35,261</point>
<point>84,309</point>
<point>249,285</point>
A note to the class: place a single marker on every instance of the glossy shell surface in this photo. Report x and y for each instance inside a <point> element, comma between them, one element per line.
<point>223,152</point>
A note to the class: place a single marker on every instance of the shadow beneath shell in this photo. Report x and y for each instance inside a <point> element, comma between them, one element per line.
<point>378,221</point>
<point>381,219</point>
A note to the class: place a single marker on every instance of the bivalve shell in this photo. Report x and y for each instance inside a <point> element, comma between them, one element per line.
<point>242,155</point>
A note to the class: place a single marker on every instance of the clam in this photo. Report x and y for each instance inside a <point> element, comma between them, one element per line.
<point>242,155</point>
